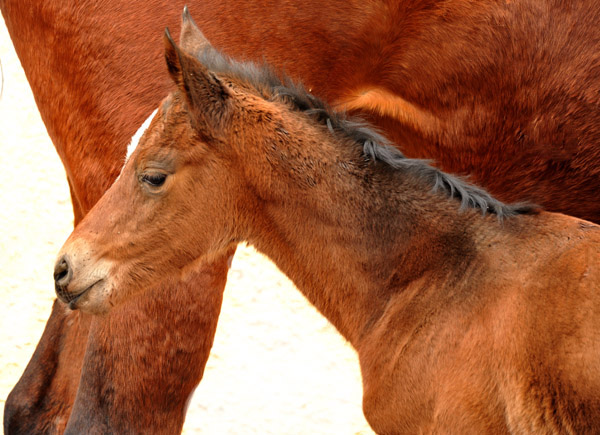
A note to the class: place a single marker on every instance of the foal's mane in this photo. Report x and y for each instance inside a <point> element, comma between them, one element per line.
<point>274,86</point>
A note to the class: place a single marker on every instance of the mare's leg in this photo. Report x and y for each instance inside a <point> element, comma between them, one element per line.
<point>41,401</point>
<point>145,358</point>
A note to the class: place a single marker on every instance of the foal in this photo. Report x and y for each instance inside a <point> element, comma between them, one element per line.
<point>469,316</point>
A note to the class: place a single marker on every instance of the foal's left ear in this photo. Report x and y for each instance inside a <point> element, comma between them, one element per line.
<point>209,100</point>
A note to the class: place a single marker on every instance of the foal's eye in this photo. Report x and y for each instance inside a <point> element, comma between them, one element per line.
<point>155,180</point>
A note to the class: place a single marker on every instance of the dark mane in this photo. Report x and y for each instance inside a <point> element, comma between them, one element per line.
<point>376,147</point>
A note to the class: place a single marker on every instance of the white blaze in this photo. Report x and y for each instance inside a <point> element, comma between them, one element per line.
<point>135,140</point>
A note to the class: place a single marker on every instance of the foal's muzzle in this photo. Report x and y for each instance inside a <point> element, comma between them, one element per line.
<point>81,280</point>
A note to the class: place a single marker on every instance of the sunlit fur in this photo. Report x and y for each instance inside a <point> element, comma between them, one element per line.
<point>463,322</point>
<point>504,91</point>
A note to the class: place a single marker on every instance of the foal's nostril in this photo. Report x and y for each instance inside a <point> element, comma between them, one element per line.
<point>62,272</point>
<point>62,276</point>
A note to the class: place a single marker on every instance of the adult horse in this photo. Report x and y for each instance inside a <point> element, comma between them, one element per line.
<point>463,322</point>
<point>492,88</point>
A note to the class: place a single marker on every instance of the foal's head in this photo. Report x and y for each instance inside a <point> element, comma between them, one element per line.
<point>178,195</point>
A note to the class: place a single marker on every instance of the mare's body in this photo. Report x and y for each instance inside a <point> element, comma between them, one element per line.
<point>504,91</point>
<point>468,315</point>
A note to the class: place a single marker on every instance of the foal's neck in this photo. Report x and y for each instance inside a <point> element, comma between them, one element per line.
<point>351,233</point>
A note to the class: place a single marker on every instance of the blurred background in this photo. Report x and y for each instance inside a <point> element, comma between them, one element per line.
<point>277,366</point>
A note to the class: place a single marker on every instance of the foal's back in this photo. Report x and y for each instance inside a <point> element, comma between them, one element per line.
<point>510,344</point>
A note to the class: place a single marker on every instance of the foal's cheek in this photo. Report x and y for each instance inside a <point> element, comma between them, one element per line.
<point>96,308</point>
<point>99,300</point>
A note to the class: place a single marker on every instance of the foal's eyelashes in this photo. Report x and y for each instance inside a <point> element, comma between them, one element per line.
<point>156,179</point>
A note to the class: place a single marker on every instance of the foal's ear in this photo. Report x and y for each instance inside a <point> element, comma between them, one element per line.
<point>208,99</point>
<point>191,38</point>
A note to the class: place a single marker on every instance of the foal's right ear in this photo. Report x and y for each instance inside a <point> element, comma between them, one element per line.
<point>191,38</point>
<point>208,99</point>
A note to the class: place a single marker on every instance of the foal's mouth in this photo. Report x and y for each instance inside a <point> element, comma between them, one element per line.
<point>72,298</point>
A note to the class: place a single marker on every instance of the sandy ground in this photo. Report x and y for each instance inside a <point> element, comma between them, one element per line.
<point>277,366</point>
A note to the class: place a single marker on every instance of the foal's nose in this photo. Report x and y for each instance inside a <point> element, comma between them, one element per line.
<point>63,273</point>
